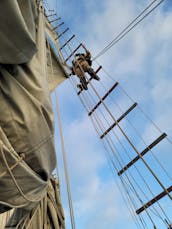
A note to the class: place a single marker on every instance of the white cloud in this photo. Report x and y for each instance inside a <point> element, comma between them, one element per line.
<point>162,91</point>
<point>85,156</point>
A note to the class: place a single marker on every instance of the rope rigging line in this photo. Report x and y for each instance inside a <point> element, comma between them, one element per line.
<point>132,211</point>
<point>65,168</point>
<point>14,178</point>
<point>125,31</point>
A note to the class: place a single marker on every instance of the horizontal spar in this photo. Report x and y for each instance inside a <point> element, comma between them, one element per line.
<point>61,34</point>
<point>103,98</point>
<point>56,19</point>
<point>72,53</point>
<point>154,200</point>
<point>118,120</point>
<point>67,42</point>
<point>160,138</point>
<point>58,26</point>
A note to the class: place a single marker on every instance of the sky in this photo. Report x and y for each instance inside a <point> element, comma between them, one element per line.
<point>141,63</point>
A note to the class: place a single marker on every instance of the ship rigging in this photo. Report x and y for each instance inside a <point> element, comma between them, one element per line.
<point>132,157</point>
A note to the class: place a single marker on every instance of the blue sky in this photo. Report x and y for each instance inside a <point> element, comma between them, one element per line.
<point>141,62</point>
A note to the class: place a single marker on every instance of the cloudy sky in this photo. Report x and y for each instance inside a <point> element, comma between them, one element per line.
<point>141,63</point>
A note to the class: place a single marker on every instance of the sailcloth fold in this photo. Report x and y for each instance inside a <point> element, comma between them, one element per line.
<point>27,153</point>
<point>18,32</point>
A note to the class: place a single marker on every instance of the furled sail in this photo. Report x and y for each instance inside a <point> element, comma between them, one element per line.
<point>27,153</point>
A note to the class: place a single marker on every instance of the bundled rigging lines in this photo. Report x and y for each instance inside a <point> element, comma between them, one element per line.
<point>149,9</point>
<point>101,116</point>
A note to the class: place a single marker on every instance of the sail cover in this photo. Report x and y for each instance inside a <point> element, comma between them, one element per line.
<point>27,154</point>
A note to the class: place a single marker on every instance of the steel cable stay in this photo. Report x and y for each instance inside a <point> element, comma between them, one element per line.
<point>150,121</point>
<point>129,27</point>
<point>166,174</point>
